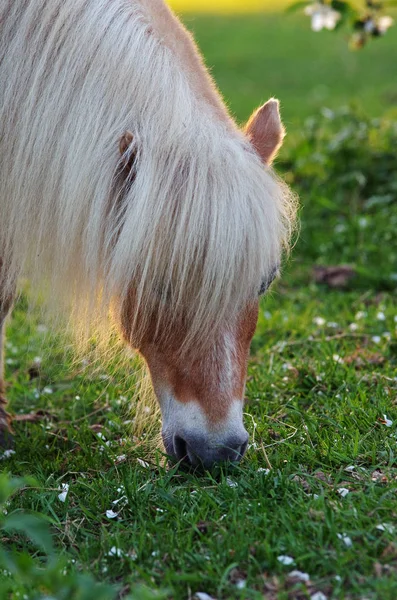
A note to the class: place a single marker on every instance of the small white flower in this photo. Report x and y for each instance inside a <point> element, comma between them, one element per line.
<point>318,596</point>
<point>343,492</point>
<point>384,23</point>
<point>381,316</point>
<point>121,458</point>
<point>7,454</point>
<point>101,436</point>
<point>376,339</point>
<point>264,471</point>
<point>285,559</point>
<point>350,468</point>
<point>231,483</point>
<point>315,496</point>
<point>47,390</point>
<point>299,575</point>
<point>319,321</point>
<point>114,551</point>
<point>332,325</point>
<point>241,584</point>
<point>338,359</point>
<point>65,490</point>
<point>386,527</point>
<point>360,315</point>
<point>345,539</point>
<point>353,326</point>
<point>111,514</point>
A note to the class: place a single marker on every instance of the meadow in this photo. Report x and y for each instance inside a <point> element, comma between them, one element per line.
<point>311,512</point>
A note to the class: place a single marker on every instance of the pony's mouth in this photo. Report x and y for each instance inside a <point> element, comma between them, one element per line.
<point>185,454</point>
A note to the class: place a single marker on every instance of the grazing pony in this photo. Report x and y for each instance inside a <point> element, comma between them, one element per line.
<point>127,190</point>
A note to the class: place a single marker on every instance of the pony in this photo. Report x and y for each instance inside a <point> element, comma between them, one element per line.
<point>129,195</point>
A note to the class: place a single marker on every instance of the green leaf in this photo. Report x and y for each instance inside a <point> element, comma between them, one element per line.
<point>33,526</point>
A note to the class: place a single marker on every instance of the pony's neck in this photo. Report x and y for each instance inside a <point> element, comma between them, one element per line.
<point>174,35</point>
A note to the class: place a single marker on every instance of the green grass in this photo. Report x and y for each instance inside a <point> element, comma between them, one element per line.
<point>255,57</point>
<point>321,378</point>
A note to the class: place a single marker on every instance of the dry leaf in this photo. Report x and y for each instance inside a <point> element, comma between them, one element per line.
<point>334,276</point>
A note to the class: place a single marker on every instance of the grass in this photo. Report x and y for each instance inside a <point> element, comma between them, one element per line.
<point>255,57</point>
<point>321,379</point>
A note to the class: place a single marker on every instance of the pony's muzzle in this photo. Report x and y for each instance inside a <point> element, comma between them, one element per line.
<point>198,451</point>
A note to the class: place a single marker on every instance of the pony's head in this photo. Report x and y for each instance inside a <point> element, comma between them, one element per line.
<point>200,383</point>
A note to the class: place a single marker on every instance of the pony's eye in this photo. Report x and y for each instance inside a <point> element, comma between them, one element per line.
<point>267,281</point>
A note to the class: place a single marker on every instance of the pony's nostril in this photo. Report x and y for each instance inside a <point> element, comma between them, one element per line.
<point>235,449</point>
<point>180,448</point>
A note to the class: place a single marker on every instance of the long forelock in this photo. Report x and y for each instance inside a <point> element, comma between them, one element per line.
<point>196,228</point>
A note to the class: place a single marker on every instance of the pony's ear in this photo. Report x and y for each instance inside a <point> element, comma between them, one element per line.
<point>127,156</point>
<point>266,131</point>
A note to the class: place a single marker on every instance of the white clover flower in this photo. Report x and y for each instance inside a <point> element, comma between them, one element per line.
<point>318,596</point>
<point>338,359</point>
<point>360,315</point>
<point>353,326</point>
<point>114,551</point>
<point>231,483</point>
<point>381,316</point>
<point>299,575</point>
<point>285,559</point>
<point>263,470</point>
<point>7,454</point>
<point>322,16</point>
<point>319,321</point>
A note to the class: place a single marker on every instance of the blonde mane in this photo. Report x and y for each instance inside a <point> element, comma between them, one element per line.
<point>197,224</point>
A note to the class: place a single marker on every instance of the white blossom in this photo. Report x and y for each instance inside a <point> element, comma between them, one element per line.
<point>111,514</point>
<point>343,492</point>
<point>322,16</point>
<point>384,23</point>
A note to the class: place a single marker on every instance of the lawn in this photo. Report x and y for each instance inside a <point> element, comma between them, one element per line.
<point>312,510</point>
